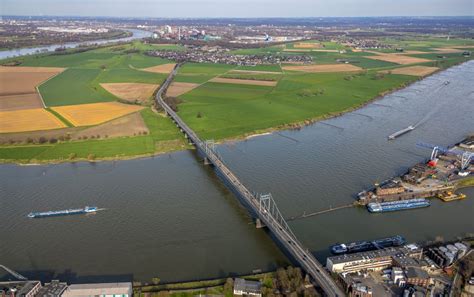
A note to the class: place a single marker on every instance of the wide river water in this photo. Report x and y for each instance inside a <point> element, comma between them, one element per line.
<point>170,217</point>
<point>136,34</point>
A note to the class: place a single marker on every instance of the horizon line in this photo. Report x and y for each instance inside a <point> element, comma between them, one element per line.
<point>242,17</point>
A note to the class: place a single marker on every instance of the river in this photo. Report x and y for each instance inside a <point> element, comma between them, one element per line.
<point>170,217</point>
<point>136,34</point>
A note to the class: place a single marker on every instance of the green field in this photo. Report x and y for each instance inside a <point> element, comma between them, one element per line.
<point>163,137</point>
<point>200,73</point>
<point>233,110</point>
<point>270,68</point>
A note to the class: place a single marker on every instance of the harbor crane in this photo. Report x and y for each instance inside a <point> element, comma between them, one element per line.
<point>465,157</point>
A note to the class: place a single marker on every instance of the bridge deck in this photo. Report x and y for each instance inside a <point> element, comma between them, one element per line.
<point>264,210</point>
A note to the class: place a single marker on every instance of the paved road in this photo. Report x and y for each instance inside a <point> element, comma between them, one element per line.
<point>276,225</point>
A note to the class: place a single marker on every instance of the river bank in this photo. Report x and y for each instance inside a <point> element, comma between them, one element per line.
<point>289,126</point>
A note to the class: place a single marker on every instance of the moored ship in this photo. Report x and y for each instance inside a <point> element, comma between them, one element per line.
<point>401,132</point>
<point>398,205</point>
<point>362,246</point>
<point>85,210</point>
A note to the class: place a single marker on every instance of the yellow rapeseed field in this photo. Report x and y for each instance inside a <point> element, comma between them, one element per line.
<point>94,113</point>
<point>28,120</point>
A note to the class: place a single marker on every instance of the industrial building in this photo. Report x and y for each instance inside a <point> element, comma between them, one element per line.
<point>374,260</point>
<point>20,288</point>
<point>61,289</point>
<point>445,255</point>
<point>99,290</point>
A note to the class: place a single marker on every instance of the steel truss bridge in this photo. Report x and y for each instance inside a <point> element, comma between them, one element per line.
<point>262,207</point>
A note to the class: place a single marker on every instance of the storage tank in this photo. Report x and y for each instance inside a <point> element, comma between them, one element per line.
<point>462,249</point>
<point>460,246</point>
<point>449,258</point>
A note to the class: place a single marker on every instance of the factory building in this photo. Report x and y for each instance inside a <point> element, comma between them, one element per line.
<point>444,256</point>
<point>374,260</point>
<point>20,288</point>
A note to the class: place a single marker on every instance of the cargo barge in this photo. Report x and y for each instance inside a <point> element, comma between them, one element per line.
<point>397,205</point>
<point>362,246</point>
<point>401,132</point>
<point>85,210</point>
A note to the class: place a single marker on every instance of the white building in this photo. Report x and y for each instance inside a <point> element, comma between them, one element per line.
<point>99,290</point>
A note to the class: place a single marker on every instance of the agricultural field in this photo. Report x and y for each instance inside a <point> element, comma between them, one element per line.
<point>19,84</point>
<point>162,136</point>
<point>84,116</point>
<point>131,92</point>
<point>28,120</point>
<point>220,111</point>
<point>413,70</point>
<point>95,113</point>
<point>179,88</point>
<point>240,81</point>
<point>323,68</point>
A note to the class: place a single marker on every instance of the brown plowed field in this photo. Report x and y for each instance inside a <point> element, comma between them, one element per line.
<point>413,70</point>
<point>179,88</point>
<point>95,113</point>
<point>28,120</point>
<point>128,125</point>
<point>447,50</point>
<point>131,91</point>
<point>164,68</point>
<point>307,45</point>
<point>18,86</point>
<point>17,102</point>
<point>324,68</point>
<point>244,81</point>
<point>398,58</point>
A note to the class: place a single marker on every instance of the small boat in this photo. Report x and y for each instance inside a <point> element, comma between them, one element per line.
<point>52,213</point>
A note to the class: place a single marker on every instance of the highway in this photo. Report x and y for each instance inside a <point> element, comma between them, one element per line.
<point>263,206</point>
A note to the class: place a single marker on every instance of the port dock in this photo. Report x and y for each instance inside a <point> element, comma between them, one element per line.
<point>436,177</point>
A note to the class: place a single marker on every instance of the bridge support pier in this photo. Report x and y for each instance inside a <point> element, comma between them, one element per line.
<point>206,161</point>
<point>259,224</point>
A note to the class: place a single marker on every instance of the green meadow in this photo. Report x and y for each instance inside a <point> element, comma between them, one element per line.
<point>220,111</point>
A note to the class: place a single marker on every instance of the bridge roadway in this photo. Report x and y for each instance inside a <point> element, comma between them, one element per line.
<point>261,208</point>
<point>13,272</point>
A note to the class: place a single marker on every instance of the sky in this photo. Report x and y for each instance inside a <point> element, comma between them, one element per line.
<point>237,8</point>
